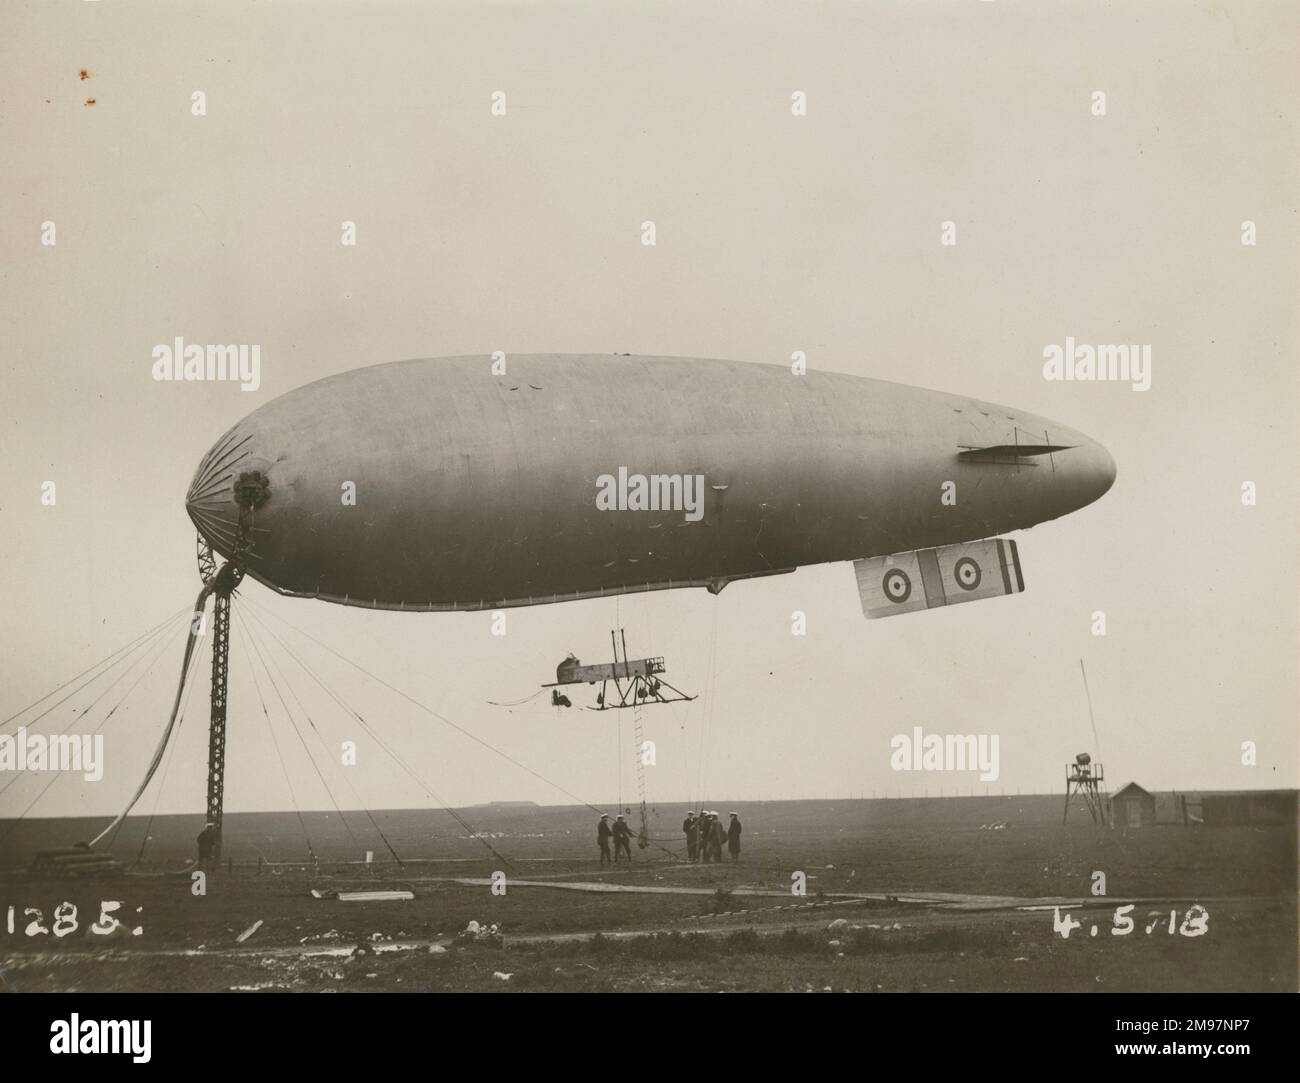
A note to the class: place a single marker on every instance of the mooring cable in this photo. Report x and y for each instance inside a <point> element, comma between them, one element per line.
<point>473,832</point>
<point>319,737</point>
<point>191,638</point>
<point>128,648</point>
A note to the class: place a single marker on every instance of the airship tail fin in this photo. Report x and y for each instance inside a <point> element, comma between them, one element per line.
<point>1008,454</point>
<point>929,578</point>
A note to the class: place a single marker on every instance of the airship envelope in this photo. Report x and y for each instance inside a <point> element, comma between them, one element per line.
<point>439,485</point>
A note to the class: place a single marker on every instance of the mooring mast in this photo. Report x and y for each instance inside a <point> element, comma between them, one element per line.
<point>251,491</point>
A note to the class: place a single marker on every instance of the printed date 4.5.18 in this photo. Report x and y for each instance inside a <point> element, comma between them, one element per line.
<point>1194,922</point>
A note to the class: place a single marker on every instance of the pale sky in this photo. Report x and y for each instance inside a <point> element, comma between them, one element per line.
<point>775,233</point>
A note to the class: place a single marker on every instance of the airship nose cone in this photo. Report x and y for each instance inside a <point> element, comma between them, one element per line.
<point>230,474</point>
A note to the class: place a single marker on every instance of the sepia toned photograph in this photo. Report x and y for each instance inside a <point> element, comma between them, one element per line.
<point>490,493</point>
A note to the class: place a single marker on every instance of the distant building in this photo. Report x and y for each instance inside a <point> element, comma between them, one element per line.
<point>1133,807</point>
<point>1257,807</point>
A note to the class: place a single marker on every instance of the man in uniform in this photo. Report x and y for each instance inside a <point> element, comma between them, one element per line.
<point>733,837</point>
<point>716,834</point>
<point>622,839</point>
<point>602,838</point>
<point>208,838</point>
<point>691,828</point>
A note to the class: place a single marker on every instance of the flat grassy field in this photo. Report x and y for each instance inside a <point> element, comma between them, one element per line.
<point>727,927</point>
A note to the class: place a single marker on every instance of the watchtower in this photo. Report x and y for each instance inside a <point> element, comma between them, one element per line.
<point>1088,780</point>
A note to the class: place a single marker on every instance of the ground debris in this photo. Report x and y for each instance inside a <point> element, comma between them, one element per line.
<point>249,931</point>
<point>363,896</point>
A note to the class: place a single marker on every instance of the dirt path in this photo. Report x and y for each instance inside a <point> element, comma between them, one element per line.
<point>939,900</point>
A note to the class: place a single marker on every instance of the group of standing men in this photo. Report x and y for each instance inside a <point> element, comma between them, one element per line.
<point>619,832</point>
<point>705,835</point>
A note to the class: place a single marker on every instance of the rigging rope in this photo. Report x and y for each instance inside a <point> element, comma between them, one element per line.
<point>55,777</point>
<point>160,640</point>
<point>468,827</point>
<point>1096,737</point>
<point>298,733</point>
<point>275,743</point>
<point>128,649</point>
<point>638,747</point>
<point>199,603</point>
<point>170,752</point>
<point>618,757</point>
<point>414,702</point>
<point>430,711</point>
<point>519,702</point>
<point>162,782</point>
<point>356,796</point>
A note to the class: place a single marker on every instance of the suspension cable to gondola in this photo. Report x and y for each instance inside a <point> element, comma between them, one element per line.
<point>618,623</point>
<point>706,715</point>
<point>638,727</point>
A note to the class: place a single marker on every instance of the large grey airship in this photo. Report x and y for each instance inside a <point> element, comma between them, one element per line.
<point>440,485</point>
